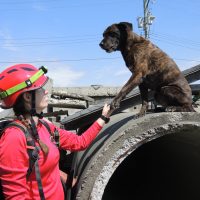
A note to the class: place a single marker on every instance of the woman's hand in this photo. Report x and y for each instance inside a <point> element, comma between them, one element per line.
<point>105,115</point>
<point>106,110</point>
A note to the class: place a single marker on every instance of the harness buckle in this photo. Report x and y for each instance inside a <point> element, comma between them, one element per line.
<point>28,83</point>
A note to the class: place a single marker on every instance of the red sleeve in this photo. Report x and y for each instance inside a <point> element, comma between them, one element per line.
<point>71,141</point>
<point>13,164</point>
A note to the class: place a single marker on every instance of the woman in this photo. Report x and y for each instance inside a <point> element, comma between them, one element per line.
<point>22,87</point>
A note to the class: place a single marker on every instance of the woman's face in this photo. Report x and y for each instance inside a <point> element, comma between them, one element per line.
<point>41,99</point>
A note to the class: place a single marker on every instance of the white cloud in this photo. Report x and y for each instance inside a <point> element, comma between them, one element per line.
<point>8,42</point>
<point>63,75</point>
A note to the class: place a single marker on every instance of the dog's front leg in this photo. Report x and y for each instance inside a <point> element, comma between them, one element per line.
<point>144,97</point>
<point>134,81</point>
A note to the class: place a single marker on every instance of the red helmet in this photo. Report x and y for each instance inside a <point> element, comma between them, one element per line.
<point>18,79</point>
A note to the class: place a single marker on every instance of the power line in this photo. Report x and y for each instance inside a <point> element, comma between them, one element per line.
<point>177,44</point>
<point>176,39</point>
<point>63,41</point>
<point>60,60</point>
<point>47,43</point>
<point>78,60</point>
<point>26,2</point>
<point>57,6</point>
<point>76,38</point>
<point>53,37</point>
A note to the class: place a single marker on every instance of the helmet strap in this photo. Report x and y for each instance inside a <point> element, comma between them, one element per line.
<point>34,131</point>
<point>33,109</point>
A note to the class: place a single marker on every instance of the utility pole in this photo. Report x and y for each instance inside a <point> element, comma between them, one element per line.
<point>147,20</point>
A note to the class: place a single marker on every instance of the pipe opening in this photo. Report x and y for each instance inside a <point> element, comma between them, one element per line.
<point>165,168</point>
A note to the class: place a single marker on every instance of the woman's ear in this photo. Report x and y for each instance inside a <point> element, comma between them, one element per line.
<point>27,97</point>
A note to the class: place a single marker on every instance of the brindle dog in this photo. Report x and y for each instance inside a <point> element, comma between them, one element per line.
<point>151,69</point>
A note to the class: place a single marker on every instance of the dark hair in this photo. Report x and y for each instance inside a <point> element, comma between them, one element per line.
<point>19,106</point>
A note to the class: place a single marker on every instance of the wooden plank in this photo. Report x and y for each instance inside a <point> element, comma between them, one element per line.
<point>60,103</point>
<point>63,94</point>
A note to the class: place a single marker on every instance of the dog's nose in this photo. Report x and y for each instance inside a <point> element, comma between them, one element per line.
<point>101,44</point>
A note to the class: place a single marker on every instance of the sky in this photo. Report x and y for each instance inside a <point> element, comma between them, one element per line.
<point>64,36</point>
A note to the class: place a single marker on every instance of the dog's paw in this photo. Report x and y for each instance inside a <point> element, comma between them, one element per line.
<point>115,104</point>
<point>140,114</point>
<point>171,109</point>
<point>195,105</point>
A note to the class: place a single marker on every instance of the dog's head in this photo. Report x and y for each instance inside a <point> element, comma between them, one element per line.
<point>115,36</point>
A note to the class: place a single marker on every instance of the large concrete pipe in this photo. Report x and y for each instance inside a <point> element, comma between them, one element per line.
<point>153,157</point>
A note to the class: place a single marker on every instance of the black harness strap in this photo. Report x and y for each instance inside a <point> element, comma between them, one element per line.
<point>37,169</point>
<point>55,135</point>
<point>46,125</point>
<point>39,180</point>
<point>33,157</point>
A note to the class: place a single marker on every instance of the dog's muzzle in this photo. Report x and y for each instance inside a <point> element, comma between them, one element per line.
<point>109,46</point>
<point>101,44</point>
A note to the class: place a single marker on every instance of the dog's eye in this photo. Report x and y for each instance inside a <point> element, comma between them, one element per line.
<point>113,34</point>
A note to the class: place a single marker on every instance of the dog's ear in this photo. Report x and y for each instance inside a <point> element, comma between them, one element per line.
<point>126,25</point>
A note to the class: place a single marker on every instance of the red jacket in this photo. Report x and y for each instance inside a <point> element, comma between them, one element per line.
<point>14,162</point>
